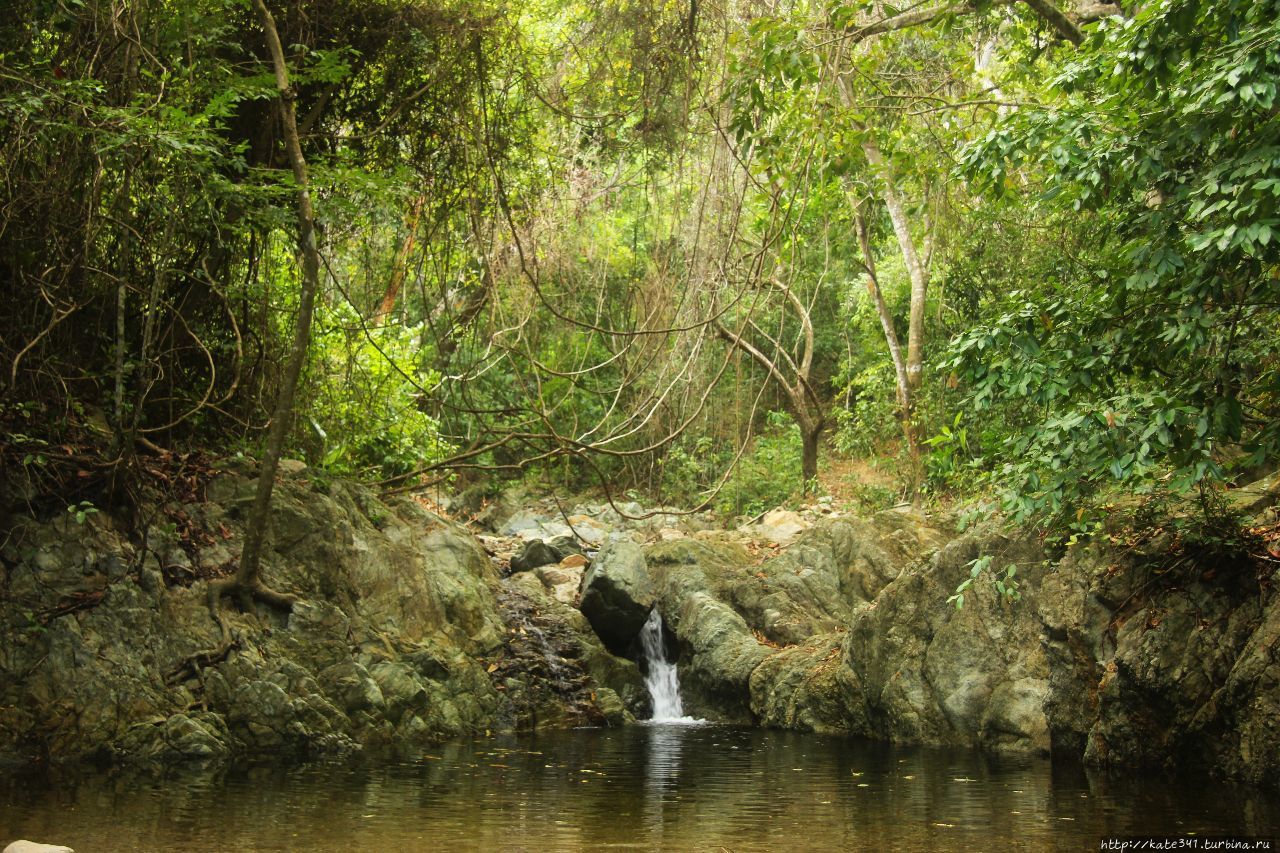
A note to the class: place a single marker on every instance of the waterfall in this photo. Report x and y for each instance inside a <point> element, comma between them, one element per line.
<point>554,670</point>
<point>663,684</point>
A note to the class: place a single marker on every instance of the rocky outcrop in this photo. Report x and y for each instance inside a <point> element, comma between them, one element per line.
<point>1109,655</point>
<point>399,638</point>
<point>406,632</point>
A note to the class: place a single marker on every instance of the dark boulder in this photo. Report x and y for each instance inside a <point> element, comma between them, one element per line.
<point>617,594</point>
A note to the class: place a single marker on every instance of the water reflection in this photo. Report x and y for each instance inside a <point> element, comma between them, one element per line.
<point>653,787</point>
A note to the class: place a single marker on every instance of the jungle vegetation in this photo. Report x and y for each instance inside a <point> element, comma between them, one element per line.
<point>1020,254</point>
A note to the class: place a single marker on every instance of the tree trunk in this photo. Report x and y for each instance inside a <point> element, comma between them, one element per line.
<point>401,263</point>
<point>810,435</point>
<point>916,269</point>
<point>905,392</point>
<point>247,581</point>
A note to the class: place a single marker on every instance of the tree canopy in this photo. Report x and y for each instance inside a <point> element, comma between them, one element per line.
<point>1014,250</point>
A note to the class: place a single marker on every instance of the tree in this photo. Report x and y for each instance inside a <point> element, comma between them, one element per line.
<point>1158,366</point>
<point>247,582</point>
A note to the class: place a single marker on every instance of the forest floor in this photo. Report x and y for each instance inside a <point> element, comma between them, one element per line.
<point>873,482</point>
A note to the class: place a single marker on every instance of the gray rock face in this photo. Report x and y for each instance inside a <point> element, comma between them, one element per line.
<point>395,641</point>
<point>617,594</point>
<point>848,630</point>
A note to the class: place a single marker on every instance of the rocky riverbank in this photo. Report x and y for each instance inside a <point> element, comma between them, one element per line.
<point>1116,654</point>
<point>405,634</point>
<point>415,628</point>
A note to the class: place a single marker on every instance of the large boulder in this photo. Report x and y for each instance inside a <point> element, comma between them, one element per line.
<point>617,594</point>
<point>808,688</point>
<point>717,649</point>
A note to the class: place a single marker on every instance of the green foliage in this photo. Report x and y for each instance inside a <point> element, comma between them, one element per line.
<point>368,390</point>
<point>768,473</point>
<point>869,420</point>
<point>81,511</point>
<point>1203,534</point>
<point>1153,365</point>
<point>1003,582</point>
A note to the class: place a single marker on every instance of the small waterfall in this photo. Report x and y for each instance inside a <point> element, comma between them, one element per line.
<point>554,669</point>
<point>663,684</point>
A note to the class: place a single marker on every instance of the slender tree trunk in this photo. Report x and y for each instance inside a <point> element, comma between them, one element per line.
<point>809,436</point>
<point>247,581</point>
<point>902,382</point>
<point>401,263</point>
<point>916,269</point>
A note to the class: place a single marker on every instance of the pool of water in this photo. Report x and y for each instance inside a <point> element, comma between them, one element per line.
<point>638,788</point>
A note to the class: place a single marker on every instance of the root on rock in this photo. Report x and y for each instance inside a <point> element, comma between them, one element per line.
<point>245,594</point>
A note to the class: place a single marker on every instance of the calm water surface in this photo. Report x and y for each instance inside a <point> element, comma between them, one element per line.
<point>640,788</point>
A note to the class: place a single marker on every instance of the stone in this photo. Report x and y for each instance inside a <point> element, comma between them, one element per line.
<point>617,594</point>
<point>35,847</point>
<point>1256,496</point>
<point>574,561</point>
<point>565,546</point>
<point>532,554</point>
<point>780,525</point>
<point>611,707</point>
<point>588,529</point>
<point>809,689</point>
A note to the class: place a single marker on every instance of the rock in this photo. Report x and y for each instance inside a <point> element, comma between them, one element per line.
<point>574,561</point>
<point>587,529</point>
<point>554,671</point>
<point>808,688</point>
<point>565,546</point>
<point>1256,496</point>
<point>617,594</point>
<point>532,554</point>
<point>292,467</point>
<point>563,582</point>
<point>380,584</point>
<point>524,524</point>
<point>717,650</point>
<point>34,847</point>
<point>352,688</point>
<point>611,708</point>
<point>720,656</point>
<point>780,525</point>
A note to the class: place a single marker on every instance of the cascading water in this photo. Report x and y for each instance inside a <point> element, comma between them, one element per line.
<point>554,669</point>
<point>662,681</point>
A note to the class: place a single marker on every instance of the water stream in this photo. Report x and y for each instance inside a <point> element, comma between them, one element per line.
<point>662,679</point>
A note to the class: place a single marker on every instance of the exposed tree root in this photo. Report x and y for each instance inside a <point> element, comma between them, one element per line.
<point>245,594</point>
